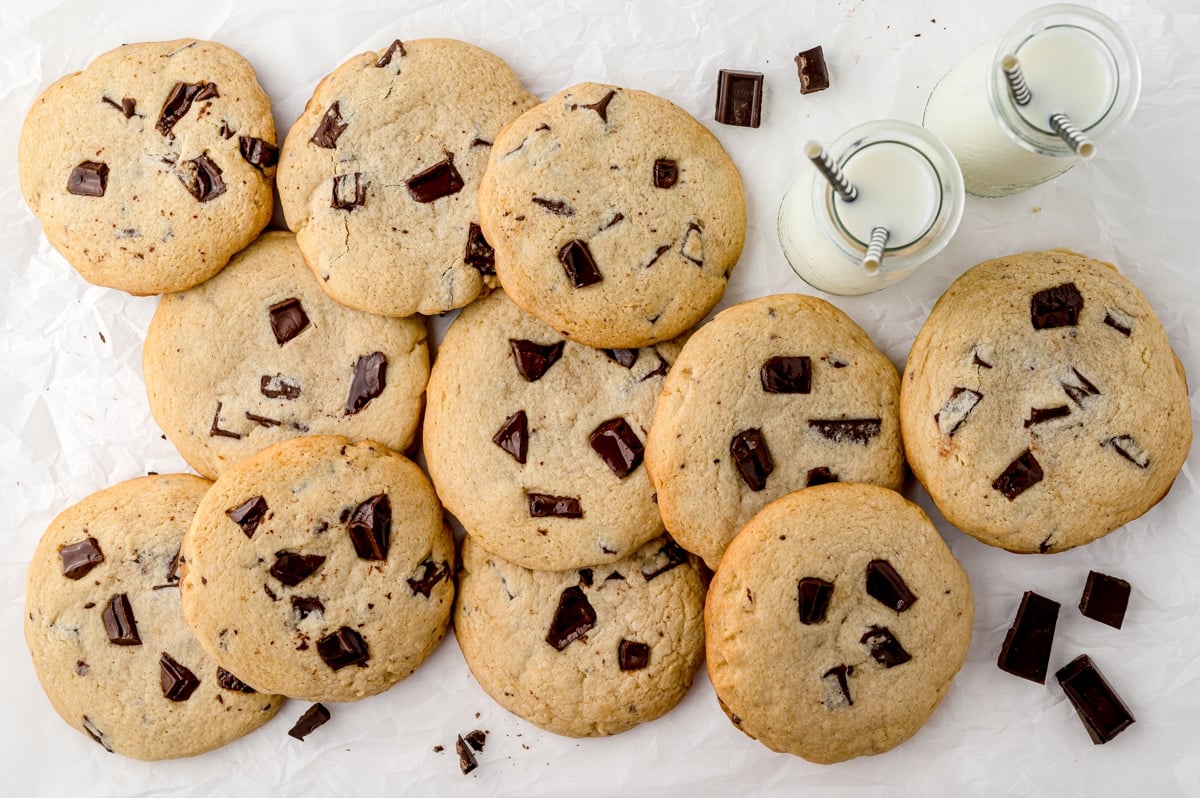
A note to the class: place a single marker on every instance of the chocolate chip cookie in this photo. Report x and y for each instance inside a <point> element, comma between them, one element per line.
<point>772,395</point>
<point>319,569</point>
<point>1042,405</point>
<point>259,354</point>
<point>378,176</point>
<point>584,652</point>
<point>835,623</point>
<point>153,165</point>
<point>615,216</point>
<point>104,625</point>
<point>535,443</point>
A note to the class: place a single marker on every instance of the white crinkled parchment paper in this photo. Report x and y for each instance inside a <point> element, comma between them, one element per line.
<point>74,419</point>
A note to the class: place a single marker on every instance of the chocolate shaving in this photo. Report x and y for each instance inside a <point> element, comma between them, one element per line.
<point>813,599</point>
<point>370,527</point>
<point>80,558</point>
<point>693,244</point>
<point>349,192</point>
<point>579,265</point>
<point>885,585</point>
<point>820,476</point>
<point>479,252</point>
<point>847,430</point>
<point>395,47</point>
<point>291,569</point>
<point>119,622</point>
<point>956,409</point>
<point>1056,307</point>
<point>95,733</point>
<point>258,153</point>
<point>89,179</point>
<point>513,436</point>
<point>675,556</point>
<point>786,375</point>
<point>343,647</point>
<point>127,106</point>
<point>573,618</point>
<point>666,173</point>
<point>1119,321</point>
<point>249,514</point>
<point>632,656</point>
<point>534,360</point>
<point>279,387</point>
<point>262,421</point>
<point>370,379</point>
<point>178,682</point>
<point>1102,711</point>
<point>1129,448</point>
<point>543,505</point>
<point>439,180</point>
<point>1080,389</point>
<point>618,446</point>
<point>884,647</point>
<point>227,681</point>
<point>557,207</point>
<point>752,458</point>
<point>202,178</point>
<point>431,574</point>
<point>330,129</point>
<point>313,718</point>
<point>811,68</point>
<point>1021,475</point>
<point>658,253</point>
<point>1040,415</point>
<point>288,319</point>
<point>840,674</point>
<point>179,102</point>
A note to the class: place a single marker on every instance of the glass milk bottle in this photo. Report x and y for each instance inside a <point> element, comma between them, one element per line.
<point>902,180</point>
<point>994,109</point>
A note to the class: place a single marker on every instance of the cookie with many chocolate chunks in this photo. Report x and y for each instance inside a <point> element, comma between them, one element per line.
<point>319,569</point>
<point>107,635</point>
<point>535,443</point>
<point>615,216</point>
<point>259,354</point>
<point>1042,406</point>
<point>378,176</point>
<point>584,652</point>
<point>772,395</point>
<point>874,613</point>
<point>153,165</point>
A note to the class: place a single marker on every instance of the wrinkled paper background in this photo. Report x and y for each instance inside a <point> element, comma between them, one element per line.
<point>74,419</point>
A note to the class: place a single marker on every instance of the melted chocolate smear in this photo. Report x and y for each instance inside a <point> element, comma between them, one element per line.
<point>884,647</point>
<point>431,574</point>
<point>288,319</point>
<point>1026,648</point>
<point>80,558</point>
<point>343,647</point>
<point>258,153</point>
<point>202,178</point>
<point>89,179</point>
<point>543,505</point>
<point>534,360</point>
<point>1056,307</point>
<point>178,683</point>
<point>513,436</point>
<point>814,595</point>
<point>304,606</point>
<point>127,106</point>
<point>675,556</point>
<point>1130,449</point>
<point>439,180</point>
<point>291,569</point>
<point>370,527</point>
<point>752,458</point>
<point>632,656</point>
<point>395,47</point>
<point>573,618</point>
<point>215,431</point>
<point>330,129</point>
<point>479,252</point>
<point>249,514</point>
<point>279,387</point>
<point>577,262</point>
<point>820,476</point>
<point>885,585</point>
<point>786,375</point>
<point>179,102</point>
<point>313,718</point>
<point>1080,389</point>
<point>618,446</point>
<point>625,357</point>
<point>1105,599</point>
<point>666,173</point>
<point>840,674</point>
<point>1040,415</point>
<point>349,192</point>
<point>557,207</point>
<point>849,430</point>
<point>601,106</point>
<point>954,412</point>
<point>228,681</point>
<point>119,622</point>
<point>1021,475</point>
<point>1102,711</point>
<point>370,378</point>
<point>466,760</point>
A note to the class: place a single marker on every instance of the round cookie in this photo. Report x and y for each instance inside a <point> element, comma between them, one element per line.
<point>151,167</point>
<point>835,623</point>
<point>1042,405</point>
<point>378,176</point>
<point>319,569</point>
<point>535,443</point>
<point>259,354</point>
<point>585,652</point>
<point>772,395</point>
<point>616,217</point>
<point>108,639</point>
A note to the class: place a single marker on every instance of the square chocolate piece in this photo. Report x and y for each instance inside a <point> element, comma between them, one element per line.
<point>1105,599</point>
<point>810,66</point>
<point>1026,649</point>
<point>739,98</point>
<point>1102,711</point>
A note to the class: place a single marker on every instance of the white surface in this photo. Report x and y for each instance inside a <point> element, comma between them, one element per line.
<point>73,414</point>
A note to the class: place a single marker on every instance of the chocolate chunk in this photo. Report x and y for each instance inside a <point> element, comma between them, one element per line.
<point>573,618</point>
<point>82,668</point>
<point>847,430</point>
<point>249,514</point>
<point>675,556</point>
<point>202,178</point>
<point>1026,649</point>
<point>80,558</point>
<point>370,527</point>
<point>330,129</point>
<point>1129,448</point>
<point>313,718</point>
<point>479,252</point>
<point>263,421</point>
<point>618,446</point>
<point>660,370</point>
<point>395,47</point>
<point>534,360</point>
<point>616,217</point>
<point>466,760</point>
<point>225,131</point>
<point>585,577</point>
<point>1102,711</point>
<point>431,574</point>
<point>632,656</point>
<point>439,180</point>
<point>956,409</point>
<point>976,360</point>
<point>119,622</point>
<point>178,683</point>
<point>1021,475</point>
<point>601,106</point>
<point>1079,389</point>
<point>739,98</point>
<point>214,429</point>
<point>666,173</point>
<point>288,319</point>
<point>814,595</point>
<point>752,458</point>
<point>1105,599</point>
<point>127,106</point>
<point>179,102</point>
<point>343,647</point>
<point>841,698</point>
<point>92,731</point>
<point>279,387</point>
<point>476,738</point>
<point>1120,321</point>
<point>291,569</point>
<point>615,576</point>
<point>692,247</point>
<point>304,606</point>
<point>786,375</point>
<point>885,585</point>
<point>173,569</point>
<point>658,253</point>
<point>820,476</point>
<point>542,505</point>
<point>370,378</point>
<point>1056,307</point>
<point>810,66</point>
<point>1040,415</point>
<point>349,192</point>
<point>227,681</point>
<point>89,179</point>
<point>578,264</point>
<point>258,153</point>
<point>884,647</point>
<point>625,357</point>
<point>513,436</point>
<point>557,207</point>
<point>270,593</point>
